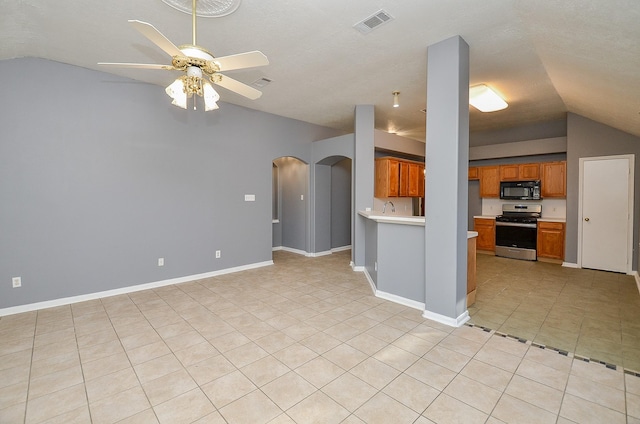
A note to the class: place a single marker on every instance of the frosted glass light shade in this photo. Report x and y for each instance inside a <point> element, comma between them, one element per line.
<point>210,96</point>
<point>177,93</point>
<point>485,99</point>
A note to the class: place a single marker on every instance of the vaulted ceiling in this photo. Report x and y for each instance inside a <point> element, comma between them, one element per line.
<point>544,57</point>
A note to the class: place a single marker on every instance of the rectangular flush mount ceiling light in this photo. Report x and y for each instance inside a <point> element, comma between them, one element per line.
<point>485,99</point>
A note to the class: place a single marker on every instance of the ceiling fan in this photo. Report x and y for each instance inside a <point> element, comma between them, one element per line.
<point>198,65</point>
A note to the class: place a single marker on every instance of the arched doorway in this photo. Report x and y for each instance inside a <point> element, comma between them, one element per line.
<point>290,212</point>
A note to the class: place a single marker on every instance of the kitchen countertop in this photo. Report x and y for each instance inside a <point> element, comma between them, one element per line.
<point>401,219</point>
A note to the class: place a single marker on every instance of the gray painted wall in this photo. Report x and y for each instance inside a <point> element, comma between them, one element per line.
<point>400,255</point>
<point>540,130</point>
<point>363,176</point>
<point>446,191</point>
<point>587,138</point>
<point>100,176</point>
<point>341,204</point>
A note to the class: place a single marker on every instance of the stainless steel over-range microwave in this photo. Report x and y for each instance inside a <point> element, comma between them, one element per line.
<point>520,190</point>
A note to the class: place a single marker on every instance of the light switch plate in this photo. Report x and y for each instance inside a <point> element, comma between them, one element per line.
<point>249,197</point>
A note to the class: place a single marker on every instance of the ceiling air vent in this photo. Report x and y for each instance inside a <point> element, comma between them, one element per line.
<point>261,82</point>
<point>374,21</point>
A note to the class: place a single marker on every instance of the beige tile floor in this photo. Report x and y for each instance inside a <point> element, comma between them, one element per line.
<point>303,341</point>
<point>594,314</point>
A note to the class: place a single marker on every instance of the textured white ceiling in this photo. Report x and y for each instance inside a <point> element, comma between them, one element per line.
<point>545,57</point>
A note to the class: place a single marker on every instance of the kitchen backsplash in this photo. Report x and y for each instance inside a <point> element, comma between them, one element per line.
<point>403,205</point>
<point>551,208</point>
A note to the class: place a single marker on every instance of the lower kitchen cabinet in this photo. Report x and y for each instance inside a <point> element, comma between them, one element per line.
<point>486,229</point>
<point>551,240</point>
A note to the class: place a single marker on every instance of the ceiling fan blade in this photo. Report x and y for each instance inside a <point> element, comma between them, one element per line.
<point>137,65</point>
<point>237,87</point>
<point>241,61</point>
<point>156,37</point>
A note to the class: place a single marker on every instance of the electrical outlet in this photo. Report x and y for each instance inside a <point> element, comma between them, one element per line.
<point>17,282</point>
<point>302,197</point>
<point>217,254</point>
<point>160,261</point>
<point>375,266</point>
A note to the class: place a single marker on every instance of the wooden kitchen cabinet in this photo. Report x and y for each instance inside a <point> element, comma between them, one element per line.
<point>551,240</point>
<point>410,179</point>
<point>520,172</point>
<point>529,171</point>
<point>474,173</point>
<point>509,173</point>
<point>398,178</point>
<point>486,228</point>
<point>387,178</point>
<point>490,181</point>
<point>554,179</point>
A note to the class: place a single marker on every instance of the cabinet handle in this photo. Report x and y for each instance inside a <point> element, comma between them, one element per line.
<point>586,219</point>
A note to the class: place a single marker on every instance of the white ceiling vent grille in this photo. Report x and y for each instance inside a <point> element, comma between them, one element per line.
<point>374,21</point>
<point>261,82</point>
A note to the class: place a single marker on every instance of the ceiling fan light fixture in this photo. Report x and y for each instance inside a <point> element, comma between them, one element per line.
<point>177,92</point>
<point>485,99</point>
<point>396,102</point>
<point>206,8</point>
<point>210,96</point>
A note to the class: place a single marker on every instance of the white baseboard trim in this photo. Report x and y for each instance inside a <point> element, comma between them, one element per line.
<point>369,279</point>
<point>637,277</point>
<point>276,248</point>
<point>292,250</point>
<point>569,265</point>
<point>451,322</point>
<point>341,249</point>
<point>317,254</point>
<point>313,254</point>
<point>124,290</point>
<point>357,268</point>
<point>400,300</point>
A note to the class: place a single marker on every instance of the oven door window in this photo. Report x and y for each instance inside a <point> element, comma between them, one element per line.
<point>511,236</point>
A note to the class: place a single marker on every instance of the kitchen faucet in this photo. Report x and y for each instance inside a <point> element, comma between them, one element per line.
<point>384,207</point>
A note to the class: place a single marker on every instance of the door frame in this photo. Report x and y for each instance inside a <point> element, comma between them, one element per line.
<point>631,158</point>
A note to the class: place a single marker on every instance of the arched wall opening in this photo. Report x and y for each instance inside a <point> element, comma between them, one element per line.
<point>290,212</point>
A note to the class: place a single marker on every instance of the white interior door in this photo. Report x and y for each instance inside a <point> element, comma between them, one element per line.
<point>606,213</point>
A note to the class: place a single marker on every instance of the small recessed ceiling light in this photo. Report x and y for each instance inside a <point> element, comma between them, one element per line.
<point>485,99</point>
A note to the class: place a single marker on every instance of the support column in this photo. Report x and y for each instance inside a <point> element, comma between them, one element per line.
<point>446,201</point>
<point>363,164</point>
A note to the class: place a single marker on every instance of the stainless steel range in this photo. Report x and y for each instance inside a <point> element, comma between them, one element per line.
<point>517,231</point>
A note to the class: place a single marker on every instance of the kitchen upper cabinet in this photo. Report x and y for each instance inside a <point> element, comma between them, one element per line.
<point>398,178</point>
<point>529,171</point>
<point>490,181</point>
<point>387,181</point>
<point>554,179</point>
<point>551,240</point>
<point>520,172</point>
<point>509,173</point>
<point>474,173</point>
<point>486,229</point>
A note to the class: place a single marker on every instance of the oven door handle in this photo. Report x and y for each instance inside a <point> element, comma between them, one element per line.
<point>515,224</point>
